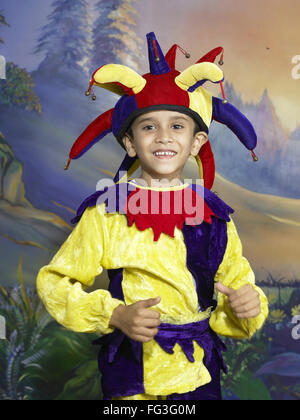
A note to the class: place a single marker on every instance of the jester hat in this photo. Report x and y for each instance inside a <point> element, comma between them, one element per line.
<point>164,88</point>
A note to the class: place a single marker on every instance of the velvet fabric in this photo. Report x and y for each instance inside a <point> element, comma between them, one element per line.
<point>237,122</point>
<point>209,391</point>
<point>154,53</point>
<point>121,192</point>
<point>160,210</point>
<point>170,334</point>
<point>120,358</point>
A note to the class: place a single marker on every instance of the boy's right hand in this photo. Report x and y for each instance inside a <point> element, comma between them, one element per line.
<point>136,320</point>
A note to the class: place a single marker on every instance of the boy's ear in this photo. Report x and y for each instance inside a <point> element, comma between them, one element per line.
<point>128,143</point>
<point>199,140</point>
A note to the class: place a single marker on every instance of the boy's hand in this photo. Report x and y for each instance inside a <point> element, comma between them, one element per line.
<point>136,320</point>
<point>244,302</point>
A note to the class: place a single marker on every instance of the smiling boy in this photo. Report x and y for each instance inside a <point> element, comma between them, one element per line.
<point>174,286</point>
<point>155,133</point>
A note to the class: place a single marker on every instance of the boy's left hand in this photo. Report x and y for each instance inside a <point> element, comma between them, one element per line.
<point>244,302</point>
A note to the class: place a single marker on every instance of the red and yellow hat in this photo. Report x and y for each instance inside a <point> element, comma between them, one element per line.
<point>164,88</point>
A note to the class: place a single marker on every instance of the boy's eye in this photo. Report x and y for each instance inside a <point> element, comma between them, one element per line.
<point>148,127</point>
<point>177,126</point>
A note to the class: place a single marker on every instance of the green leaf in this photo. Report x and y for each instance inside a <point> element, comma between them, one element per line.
<point>251,388</point>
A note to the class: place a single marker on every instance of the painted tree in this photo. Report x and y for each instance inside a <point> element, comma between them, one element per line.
<point>2,22</point>
<point>114,35</point>
<point>66,40</point>
<point>17,87</point>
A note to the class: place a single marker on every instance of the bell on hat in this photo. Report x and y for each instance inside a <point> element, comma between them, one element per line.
<point>164,87</point>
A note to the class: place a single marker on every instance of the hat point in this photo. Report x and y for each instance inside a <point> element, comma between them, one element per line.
<point>157,61</point>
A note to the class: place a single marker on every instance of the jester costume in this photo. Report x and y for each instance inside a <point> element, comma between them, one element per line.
<point>177,256</point>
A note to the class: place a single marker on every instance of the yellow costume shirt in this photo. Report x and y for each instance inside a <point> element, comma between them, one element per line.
<point>104,240</point>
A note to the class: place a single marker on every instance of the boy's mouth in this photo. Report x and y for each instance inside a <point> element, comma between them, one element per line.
<point>164,154</point>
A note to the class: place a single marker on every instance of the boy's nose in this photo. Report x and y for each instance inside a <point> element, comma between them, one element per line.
<point>164,135</point>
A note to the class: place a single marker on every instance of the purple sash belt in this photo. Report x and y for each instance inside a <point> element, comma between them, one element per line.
<point>168,335</point>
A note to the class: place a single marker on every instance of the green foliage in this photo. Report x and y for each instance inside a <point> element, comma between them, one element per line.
<point>249,387</point>
<point>41,359</point>
<point>21,353</point>
<point>18,89</point>
<point>85,385</point>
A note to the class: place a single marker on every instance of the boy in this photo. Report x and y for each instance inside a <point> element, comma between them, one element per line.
<point>158,319</point>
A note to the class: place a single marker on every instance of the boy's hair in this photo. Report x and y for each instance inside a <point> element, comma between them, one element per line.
<point>196,129</point>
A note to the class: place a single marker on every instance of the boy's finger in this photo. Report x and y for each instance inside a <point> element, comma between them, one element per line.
<point>147,303</point>
<point>239,301</point>
<point>224,289</point>
<point>250,314</point>
<point>249,306</point>
<point>151,321</point>
<point>147,332</point>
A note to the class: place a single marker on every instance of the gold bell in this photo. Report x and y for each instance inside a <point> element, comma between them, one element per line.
<point>254,157</point>
<point>94,97</point>
<point>87,93</point>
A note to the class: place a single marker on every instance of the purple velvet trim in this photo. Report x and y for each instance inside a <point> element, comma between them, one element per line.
<point>125,165</point>
<point>99,137</point>
<point>161,66</point>
<point>170,334</point>
<point>200,83</point>
<point>119,191</point>
<point>125,106</point>
<point>206,244</point>
<point>120,358</point>
<point>236,121</point>
<point>121,366</point>
<point>115,283</point>
<point>218,206</point>
<point>197,246</point>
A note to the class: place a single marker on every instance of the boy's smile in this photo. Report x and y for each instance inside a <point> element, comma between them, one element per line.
<point>163,140</point>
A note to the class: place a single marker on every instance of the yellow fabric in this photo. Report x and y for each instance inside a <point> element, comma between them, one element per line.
<point>200,167</point>
<point>198,72</point>
<point>201,102</point>
<point>200,98</point>
<point>235,272</point>
<point>150,269</point>
<point>141,397</point>
<point>110,73</point>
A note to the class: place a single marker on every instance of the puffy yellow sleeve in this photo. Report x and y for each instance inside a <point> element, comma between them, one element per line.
<point>234,272</point>
<point>61,283</point>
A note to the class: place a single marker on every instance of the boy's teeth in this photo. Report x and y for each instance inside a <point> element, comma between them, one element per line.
<point>165,153</point>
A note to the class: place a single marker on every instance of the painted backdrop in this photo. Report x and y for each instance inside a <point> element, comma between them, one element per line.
<point>48,51</point>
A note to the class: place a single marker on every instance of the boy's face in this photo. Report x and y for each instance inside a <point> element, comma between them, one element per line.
<point>160,131</point>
